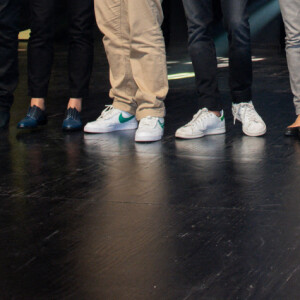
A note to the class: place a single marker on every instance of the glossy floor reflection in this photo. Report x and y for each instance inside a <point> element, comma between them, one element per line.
<point>100,217</point>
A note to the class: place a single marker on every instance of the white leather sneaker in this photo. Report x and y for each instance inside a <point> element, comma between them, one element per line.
<point>203,123</point>
<point>150,129</point>
<point>112,119</point>
<point>253,124</point>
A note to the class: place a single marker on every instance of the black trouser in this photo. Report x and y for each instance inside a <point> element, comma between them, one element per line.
<point>40,47</point>
<point>9,29</point>
<point>200,16</point>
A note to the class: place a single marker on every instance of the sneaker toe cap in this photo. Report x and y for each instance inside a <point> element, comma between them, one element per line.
<point>184,131</point>
<point>256,128</point>
<point>91,125</point>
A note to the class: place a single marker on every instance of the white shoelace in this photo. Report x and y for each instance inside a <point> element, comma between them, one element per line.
<point>246,108</point>
<point>199,117</point>
<point>148,122</point>
<point>107,112</point>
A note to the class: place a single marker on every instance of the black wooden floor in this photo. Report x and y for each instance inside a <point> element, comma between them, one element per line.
<point>100,217</point>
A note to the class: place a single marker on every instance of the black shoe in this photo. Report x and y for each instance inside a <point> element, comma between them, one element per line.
<point>291,131</point>
<point>34,118</point>
<point>72,121</point>
<point>4,118</point>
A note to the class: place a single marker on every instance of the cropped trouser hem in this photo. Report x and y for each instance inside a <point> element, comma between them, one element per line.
<point>242,96</point>
<point>211,104</point>
<point>38,94</point>
<point>79,94</point>
<point>72,94</point>
<point>215,104</point>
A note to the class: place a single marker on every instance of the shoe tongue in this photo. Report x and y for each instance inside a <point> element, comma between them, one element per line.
<point>148,121</point>
<point>109,111</point>
<point>202,111</point>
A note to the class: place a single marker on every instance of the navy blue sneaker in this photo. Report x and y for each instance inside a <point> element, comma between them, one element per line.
<point>34,118</point>
<point>4,118</point>
<point>72,121</point>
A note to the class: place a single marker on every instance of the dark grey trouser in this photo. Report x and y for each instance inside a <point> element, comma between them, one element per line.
<point>291,15</point>
<point>9,29</point>
<point>41,51</point>
<point>200,17</point>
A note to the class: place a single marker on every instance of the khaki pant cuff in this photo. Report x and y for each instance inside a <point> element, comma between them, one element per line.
<point>124,107</point>
<point>159,113</point>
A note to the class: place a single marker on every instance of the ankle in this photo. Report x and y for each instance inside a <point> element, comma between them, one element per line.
<point>39,102</point>
<point>296,123</point>
<point>217,113</point>
<point>75,103</point>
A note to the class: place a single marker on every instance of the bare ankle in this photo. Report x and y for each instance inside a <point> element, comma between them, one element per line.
<point>217,113</point>
<point>75,103</point>
<point>39,102</point>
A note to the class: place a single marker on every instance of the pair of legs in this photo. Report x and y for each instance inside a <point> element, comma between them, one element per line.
<point>40,49</point>
<point>9,30</point>
<point>200,17</point>
<point>290,11</point>
<point>135,50</point>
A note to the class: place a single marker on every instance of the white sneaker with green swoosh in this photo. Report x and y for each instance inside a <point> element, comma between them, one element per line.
<point>150,129</point>
<point>112,119</point>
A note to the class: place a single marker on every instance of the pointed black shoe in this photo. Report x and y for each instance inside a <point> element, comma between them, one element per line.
<point>4,118</point>
<point>72,121</point>
<point>291,131</point>
<point>34,118</point>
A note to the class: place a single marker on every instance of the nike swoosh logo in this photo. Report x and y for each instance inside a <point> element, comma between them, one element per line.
<point>124,120</point>
<point>162,125</point>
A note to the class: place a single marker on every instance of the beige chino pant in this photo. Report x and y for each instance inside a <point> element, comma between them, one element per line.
<point>136,54</point>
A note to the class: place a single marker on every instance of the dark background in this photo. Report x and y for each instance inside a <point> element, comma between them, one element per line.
<point>175,25</point>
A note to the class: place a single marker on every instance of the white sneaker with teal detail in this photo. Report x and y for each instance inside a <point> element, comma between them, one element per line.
<point>150,129</point>
<point>253,124</point>
<point>203,123</point>
<point>112,119</point>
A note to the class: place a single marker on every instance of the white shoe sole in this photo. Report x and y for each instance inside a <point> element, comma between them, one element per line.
<point>145,139</point>
<point>255,134</point>
<point>107,130</point>
<point>207,132</point>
